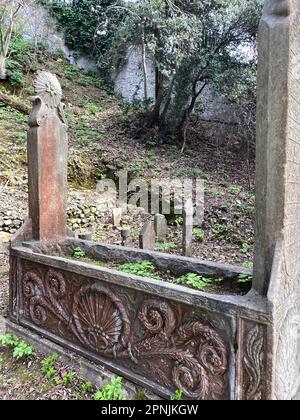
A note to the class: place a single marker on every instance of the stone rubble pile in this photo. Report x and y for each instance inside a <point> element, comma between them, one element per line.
<point>80,216</point>
<point>10,221</point>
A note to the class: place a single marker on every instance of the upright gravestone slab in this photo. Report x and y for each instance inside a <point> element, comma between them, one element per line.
<point>47,160</point>
<point>188,224</point>
<point>117,216</point>
<point>147,236</point>
<point>277,251</point>
<point>125,235</point>
<point>161,227</point>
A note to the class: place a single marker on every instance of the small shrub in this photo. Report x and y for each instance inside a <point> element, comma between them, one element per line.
<point>248,264</point>
<point>199,233</point>
<point>179,221</point>
<point>165,247</point>
<point>20,49</point>
<point>223,232</point>
<point>197,281</point>
<point>59,52</point>
<point>142,269</point>
<point>216,193</point>
<point>68,378</point>
<point>12,65</point>
<point>16,78</point>
<point>234,189</point>
<point>245,248</point>
<point>71,72</point>
<point>48,365</point>
<point>20,348</point>
<point>87,81</point>
<point>86,387</point>
<point>177,396</point>
<point>8,340</point>
<point>244,279</point>
<point>111,392</point>
<point>79,253</point>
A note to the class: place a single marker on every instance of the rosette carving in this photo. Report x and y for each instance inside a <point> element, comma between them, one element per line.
<point>47,88</point>
<point>48,99</point>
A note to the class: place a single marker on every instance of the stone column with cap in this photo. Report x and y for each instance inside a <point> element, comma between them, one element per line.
<point>47,160</point>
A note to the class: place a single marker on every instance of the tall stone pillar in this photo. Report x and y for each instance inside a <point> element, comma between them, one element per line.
<point>47,160</point>
<point>277,252</point>
<point>278,135</point>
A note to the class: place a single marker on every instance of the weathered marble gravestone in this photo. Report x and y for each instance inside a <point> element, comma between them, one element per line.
<point>117,216</point>
<point>161,227</point>
<point>47,160</point>
<point>188,224</point>
<point>147,236</point>
<point>125,235</point>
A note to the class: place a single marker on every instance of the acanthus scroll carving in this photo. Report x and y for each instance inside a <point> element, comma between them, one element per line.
<point>279,8</point>
<point>253,360</point>
<point>176,351</point>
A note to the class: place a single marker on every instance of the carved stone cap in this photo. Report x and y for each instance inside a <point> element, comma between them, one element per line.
<point>47,100</point>
<point>48,89</point>
<point>279,7</point>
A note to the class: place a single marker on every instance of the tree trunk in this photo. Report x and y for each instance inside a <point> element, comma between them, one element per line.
<point>15,103</point>
<point>3,71</point>
<point>159,98</point>
<point>168,101</point>
<point>182,128</point>
<point>5,39</point>
<point>145,71</point>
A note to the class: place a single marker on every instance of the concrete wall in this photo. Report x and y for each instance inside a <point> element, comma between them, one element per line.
<point>37,26</point>
<point>129,83</point>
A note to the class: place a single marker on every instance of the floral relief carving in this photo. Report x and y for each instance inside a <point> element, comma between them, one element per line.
<point>13,294</point>
<point>158,342</point>
<point>253,364</point>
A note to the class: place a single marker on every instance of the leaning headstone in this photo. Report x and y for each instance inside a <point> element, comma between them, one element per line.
<point>117,216</point>
<point>161,227</point>
<point>147,236</point>
<point>188,224</point>
<point>47,160</point>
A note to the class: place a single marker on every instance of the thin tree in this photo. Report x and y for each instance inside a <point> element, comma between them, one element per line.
<point>9,12</point>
